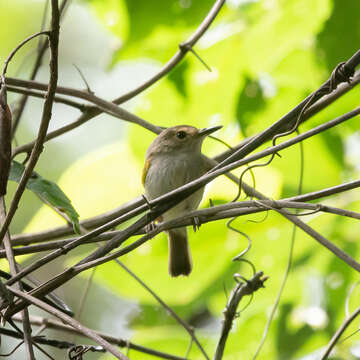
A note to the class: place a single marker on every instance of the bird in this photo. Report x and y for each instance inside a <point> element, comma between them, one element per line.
<point>174,159</point>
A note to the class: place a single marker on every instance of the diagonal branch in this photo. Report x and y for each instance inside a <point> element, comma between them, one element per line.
<point>68,320</point>
<point>339,332</point>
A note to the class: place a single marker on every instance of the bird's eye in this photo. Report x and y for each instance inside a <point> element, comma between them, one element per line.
<point>181,134</point>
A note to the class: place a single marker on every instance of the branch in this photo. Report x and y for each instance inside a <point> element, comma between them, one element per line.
<point>68,320</point>
<point>338,333</point>
<point>158,206</point>
<point>57,325</point>
<point>25,239</point>
<point>189,330</point>
<point>230,311</point>
<point>36,67</point>
<point>13,269</point>
<point>42,95</point>
<point>342,73</point>
<point>321,104</point>
<point>46,116</point>
<point>105,106</point>
<point>205,215</point>
<point>184,47</point>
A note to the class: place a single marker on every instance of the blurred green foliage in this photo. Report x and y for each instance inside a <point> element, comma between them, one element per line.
<point>265,56</point>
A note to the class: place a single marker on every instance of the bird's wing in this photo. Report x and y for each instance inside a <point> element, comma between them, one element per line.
<point>145,171</point>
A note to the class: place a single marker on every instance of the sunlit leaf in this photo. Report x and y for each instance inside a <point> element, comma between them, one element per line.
<point>48,191</point>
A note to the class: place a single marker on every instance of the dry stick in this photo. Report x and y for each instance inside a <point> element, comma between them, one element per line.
<point>137,202</point>
<point>68,320</point>
<point>338,333</point>
<point>6,217</point>
<point>109,107</point>
<point>36,67</point>
<point>230,312</point>
<point>57,325</point>
<point>13,270</point>
<point>104,105</point>
<point>46,116</point>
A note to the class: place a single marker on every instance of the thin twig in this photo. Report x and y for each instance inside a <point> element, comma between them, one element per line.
<point>230,312</point>
<point>338,333</point>
<point>13,270</point>
<point>104,105</point>
<point>40,54</point>
<point>46,116</point>
<point>57,325</point>
<point>189,329</point>
<point>42,95</point>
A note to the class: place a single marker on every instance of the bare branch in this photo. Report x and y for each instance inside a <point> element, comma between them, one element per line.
<point>230,311</point>
<point>338,333</point>
<point>68,320</point>
<point>46,116</point>
<point>60,326</point>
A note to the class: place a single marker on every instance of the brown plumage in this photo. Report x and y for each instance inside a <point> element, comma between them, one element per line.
<point>173,159</point>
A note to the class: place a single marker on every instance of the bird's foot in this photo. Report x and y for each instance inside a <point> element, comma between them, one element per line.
<point>150,227</point>
<point>196,223</point>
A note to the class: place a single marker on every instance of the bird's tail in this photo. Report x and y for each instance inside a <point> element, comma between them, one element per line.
<point>180,262</point>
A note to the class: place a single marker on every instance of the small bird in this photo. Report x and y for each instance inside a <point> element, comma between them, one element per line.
<point>173,159</point>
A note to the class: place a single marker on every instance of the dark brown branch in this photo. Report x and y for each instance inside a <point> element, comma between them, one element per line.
<point>46,116</point>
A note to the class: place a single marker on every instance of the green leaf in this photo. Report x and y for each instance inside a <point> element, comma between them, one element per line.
<point>48,192</point>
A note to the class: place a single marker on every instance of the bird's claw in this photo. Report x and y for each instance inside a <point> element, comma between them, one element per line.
<point>196,223</point>
<point>150,227</point>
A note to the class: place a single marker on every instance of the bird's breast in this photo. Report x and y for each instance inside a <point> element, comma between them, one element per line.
<point>167,173</point>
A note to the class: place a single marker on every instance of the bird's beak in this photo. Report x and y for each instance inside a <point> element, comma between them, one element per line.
<point>208,131</point>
